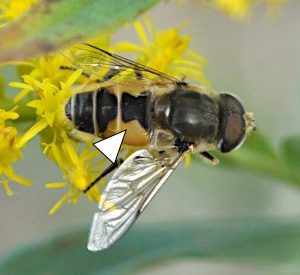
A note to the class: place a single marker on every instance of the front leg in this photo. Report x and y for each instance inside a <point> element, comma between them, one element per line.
<point>210,158</point>
<point>182,146</point>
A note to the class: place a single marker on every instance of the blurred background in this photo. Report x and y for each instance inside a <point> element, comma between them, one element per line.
<point>258,60</point>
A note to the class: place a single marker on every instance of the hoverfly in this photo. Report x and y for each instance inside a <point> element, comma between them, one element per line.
<point>165,118</point>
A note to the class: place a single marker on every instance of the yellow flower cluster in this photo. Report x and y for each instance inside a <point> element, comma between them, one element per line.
<point>9,152</point>
<point>166,51</point>
<point>76,164</point>
<point>242,8</point>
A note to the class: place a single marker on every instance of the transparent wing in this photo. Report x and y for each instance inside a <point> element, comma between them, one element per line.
<point>104,65</point>
<point>127,194</point>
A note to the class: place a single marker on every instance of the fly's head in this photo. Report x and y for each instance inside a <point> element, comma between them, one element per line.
<point>235,124</point>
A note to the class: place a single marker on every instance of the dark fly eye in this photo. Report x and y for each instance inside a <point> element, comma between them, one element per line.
<point>232,123</point>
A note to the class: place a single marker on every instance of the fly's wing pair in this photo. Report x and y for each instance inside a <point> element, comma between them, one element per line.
<point>110,67</point>
<point>127,194</point>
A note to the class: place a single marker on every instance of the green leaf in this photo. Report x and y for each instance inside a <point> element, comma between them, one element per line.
<point>262,241</point>
<point>49,25</point>
<point>257,155</point>
<point>290,153</point>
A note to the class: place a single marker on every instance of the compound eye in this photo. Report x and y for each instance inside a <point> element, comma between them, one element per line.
<point>232,127</point>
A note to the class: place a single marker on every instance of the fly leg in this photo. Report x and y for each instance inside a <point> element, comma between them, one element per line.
<point>109,75</point>
<point>138,74</point>
<point>115,71</point>
<point>209,157</point>
<point>87,75</point>
<point>182,146</point>
<point>109,169</point>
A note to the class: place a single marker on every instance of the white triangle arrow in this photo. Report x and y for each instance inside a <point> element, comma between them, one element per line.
<point>110,146</point>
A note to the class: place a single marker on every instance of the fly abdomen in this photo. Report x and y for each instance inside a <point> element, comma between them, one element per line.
<point>79,110</point>
<point>136,108</point>
<point>91,112</point>
<point>106,109</point>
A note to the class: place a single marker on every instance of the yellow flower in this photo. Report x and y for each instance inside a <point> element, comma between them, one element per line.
<point>45,67</point>
<point>49,106</point>
<point>242,8</point>
<point>78,169</point>
<point>10,9</point>
<point>9,153</point>
<point>166,51</point>
<point>234,8</point>
<point>48,66</point>
<point>47,87</point>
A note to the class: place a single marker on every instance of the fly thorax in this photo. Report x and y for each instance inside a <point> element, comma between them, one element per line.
<point>188,114</point>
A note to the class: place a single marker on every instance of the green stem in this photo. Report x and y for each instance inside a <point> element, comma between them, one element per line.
<point>266,164</point>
